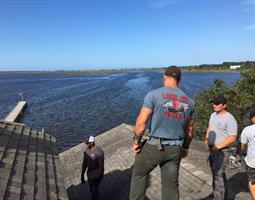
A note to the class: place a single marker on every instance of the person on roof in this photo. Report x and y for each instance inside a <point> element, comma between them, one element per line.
<point>93,162</point>
<point>171,112</point>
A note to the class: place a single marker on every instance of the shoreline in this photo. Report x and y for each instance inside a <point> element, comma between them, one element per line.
<point>99,72</point>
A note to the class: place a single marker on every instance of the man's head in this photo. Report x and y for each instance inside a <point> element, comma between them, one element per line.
<point>172,76</point>
<point>252,114</point>
<point>219,103</point>
<point>173,72</point>
<point>90,141</point>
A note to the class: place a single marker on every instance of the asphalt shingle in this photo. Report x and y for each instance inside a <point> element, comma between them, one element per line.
<point>28,165</point>
<point>195,178</point>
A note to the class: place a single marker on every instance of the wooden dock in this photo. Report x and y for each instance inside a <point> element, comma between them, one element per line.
<point>16,112</point>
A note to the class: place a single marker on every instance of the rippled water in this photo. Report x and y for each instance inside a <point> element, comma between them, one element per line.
<point>72,107</point>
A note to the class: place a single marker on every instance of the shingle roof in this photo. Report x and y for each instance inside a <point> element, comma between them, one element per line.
<point>195,181</point>
<point>119,160</point>
<point>29,167</point>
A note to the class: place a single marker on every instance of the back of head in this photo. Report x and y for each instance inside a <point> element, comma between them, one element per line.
<point>173,71</point>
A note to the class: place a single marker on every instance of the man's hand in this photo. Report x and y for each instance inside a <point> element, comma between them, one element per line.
<point>207,145</point>
<point>136,148</point>
<point>184,152</point>
<point>213,148</point>
<point>82,180</point>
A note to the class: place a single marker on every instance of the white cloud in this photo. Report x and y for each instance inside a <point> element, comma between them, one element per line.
<point>250,27</point>
<point>161,3</point>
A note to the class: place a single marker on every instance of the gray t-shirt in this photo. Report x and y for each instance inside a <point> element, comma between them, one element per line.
<point>248,137</point>
<point>172,109</point>
<point>221,126</point>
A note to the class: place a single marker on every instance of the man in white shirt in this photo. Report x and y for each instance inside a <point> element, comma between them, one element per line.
<point>248,140</point>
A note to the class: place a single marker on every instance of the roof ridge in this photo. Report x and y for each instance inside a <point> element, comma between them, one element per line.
<point>11,123</point>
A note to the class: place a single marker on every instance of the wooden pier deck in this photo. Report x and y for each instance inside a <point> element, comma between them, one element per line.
<point>16,112</point>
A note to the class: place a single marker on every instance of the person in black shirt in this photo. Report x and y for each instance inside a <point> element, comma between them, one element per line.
<point>93,162</point>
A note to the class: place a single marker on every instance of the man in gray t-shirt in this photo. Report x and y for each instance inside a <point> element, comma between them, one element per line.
<point>171,112</point>
<point>220,134</point>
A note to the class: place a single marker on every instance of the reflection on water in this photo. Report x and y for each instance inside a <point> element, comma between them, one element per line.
<point>72,107</point>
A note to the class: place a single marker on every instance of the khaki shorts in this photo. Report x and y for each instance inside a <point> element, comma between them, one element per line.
<point>251,174</point>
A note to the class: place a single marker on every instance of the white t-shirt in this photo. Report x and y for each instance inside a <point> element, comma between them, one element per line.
<point>248,137</point>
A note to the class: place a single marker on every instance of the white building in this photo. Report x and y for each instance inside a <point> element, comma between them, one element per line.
<point>235,66</point>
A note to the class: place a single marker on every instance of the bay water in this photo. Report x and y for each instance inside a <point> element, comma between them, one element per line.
<point>72,107</point>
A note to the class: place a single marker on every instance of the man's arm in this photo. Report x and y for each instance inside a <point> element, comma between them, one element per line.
<point>232,132</point>
<point>207,137</point>
<point>188,134</point>
<point>240,149</point>
<point>227,142</point>
<point>140,127</point>
<point>101,163</point>
<point>188,138</point>
<point>84,167</point>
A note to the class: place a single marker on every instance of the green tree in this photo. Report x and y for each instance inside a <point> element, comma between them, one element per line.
<point>240,99</point>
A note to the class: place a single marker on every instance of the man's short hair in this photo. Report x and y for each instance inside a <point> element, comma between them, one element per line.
<point>173,71</point>
<point>219,100</point>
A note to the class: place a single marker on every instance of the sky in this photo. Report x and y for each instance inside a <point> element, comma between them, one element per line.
<point>109,34</point>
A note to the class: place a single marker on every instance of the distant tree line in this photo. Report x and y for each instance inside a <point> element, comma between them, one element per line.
<point>224,66</point>
<point>240,99</point>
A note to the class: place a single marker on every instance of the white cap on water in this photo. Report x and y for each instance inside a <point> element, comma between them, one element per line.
<point>91,139</point>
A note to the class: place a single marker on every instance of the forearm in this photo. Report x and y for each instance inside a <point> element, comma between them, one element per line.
<point>83,170</point>
<point>84,167</point>
<point>226,143</point>
<point>207,134</point>
<point>139,129</point>
<point>141,123</point>
<point>189,135</point>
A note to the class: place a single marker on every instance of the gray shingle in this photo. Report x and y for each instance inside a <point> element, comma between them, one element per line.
<point>27,168</point>
<point>116,143</point>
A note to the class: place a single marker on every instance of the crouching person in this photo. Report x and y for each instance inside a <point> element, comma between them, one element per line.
<point>93,162</point>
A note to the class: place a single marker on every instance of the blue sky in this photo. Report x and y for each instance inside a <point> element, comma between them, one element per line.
<point>106,34</point>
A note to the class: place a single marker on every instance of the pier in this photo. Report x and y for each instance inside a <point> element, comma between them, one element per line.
<point>16,112</point>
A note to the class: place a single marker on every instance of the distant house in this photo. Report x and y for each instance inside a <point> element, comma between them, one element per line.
<point>235,66</point>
